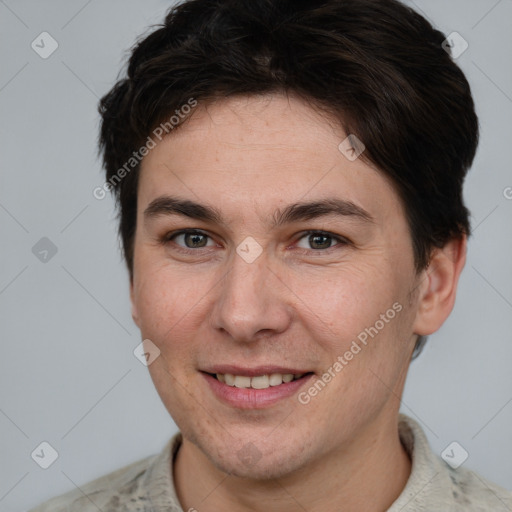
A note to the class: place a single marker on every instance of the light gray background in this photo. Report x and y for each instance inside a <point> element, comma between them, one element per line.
<point>67,372</point>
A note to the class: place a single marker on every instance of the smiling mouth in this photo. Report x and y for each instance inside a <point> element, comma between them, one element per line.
<point>259,381</point>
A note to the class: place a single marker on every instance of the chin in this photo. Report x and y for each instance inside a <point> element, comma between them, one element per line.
<point>263,470</point>
<point>256,462</point>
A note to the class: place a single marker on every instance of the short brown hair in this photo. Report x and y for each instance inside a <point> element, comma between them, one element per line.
<point>377,66</point>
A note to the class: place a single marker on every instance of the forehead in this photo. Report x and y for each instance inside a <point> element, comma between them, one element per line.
<point>260,153</point>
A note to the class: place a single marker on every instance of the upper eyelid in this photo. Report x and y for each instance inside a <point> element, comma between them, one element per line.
<point>322,232</point>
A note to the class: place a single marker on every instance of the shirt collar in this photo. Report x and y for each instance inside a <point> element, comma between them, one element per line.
<point>427,485</point>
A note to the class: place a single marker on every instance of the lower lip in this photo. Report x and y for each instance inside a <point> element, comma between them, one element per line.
<point>249,398</point>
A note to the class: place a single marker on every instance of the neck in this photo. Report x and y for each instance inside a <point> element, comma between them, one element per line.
<point>367,474</point>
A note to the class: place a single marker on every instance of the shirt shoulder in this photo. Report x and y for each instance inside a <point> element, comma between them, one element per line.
<point>142,486</point>
<point>110,492</point>
<point>471,492</point>
<point>435,485</point>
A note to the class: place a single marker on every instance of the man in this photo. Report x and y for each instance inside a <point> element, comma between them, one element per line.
<point>289,177</point>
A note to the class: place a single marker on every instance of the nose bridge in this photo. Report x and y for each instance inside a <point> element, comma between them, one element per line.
<point>249,301</point>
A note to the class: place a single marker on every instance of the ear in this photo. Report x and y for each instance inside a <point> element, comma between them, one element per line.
<point>135,314</point>
<point>438,286</point>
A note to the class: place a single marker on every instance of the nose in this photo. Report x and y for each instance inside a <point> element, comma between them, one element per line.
<point>253,302</point>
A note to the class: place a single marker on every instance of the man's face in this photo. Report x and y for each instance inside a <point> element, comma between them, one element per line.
<point>257,293</point>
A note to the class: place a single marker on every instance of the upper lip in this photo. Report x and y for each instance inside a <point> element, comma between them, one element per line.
<point>254,371</point>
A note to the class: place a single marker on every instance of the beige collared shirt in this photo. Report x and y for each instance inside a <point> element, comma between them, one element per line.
<point>147,485</point>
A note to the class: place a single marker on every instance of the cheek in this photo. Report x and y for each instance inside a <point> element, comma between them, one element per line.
<point>346,301</point>
<point>168,304</point>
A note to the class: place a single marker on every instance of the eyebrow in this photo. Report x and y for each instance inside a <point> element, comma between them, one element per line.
<point>296,212</point>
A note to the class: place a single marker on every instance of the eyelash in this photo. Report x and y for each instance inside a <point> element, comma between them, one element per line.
<point>187,250</point>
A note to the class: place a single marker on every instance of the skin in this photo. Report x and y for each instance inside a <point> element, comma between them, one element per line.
<point>300,304</point>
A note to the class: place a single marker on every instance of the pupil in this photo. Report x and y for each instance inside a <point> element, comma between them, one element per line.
<point>194,238</point>
<point>314,239</point>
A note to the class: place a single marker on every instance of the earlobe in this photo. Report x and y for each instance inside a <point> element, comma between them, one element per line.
<point>135,314</point>
<point>439,286</point>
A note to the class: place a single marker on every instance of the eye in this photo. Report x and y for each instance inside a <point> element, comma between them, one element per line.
<point>192,239</point>
<point>322,240</point>
<point>318,241</point>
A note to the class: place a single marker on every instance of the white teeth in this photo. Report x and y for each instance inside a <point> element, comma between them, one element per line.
<point>242,382</point>
<point>275,379</point>
<point>259,382</point>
